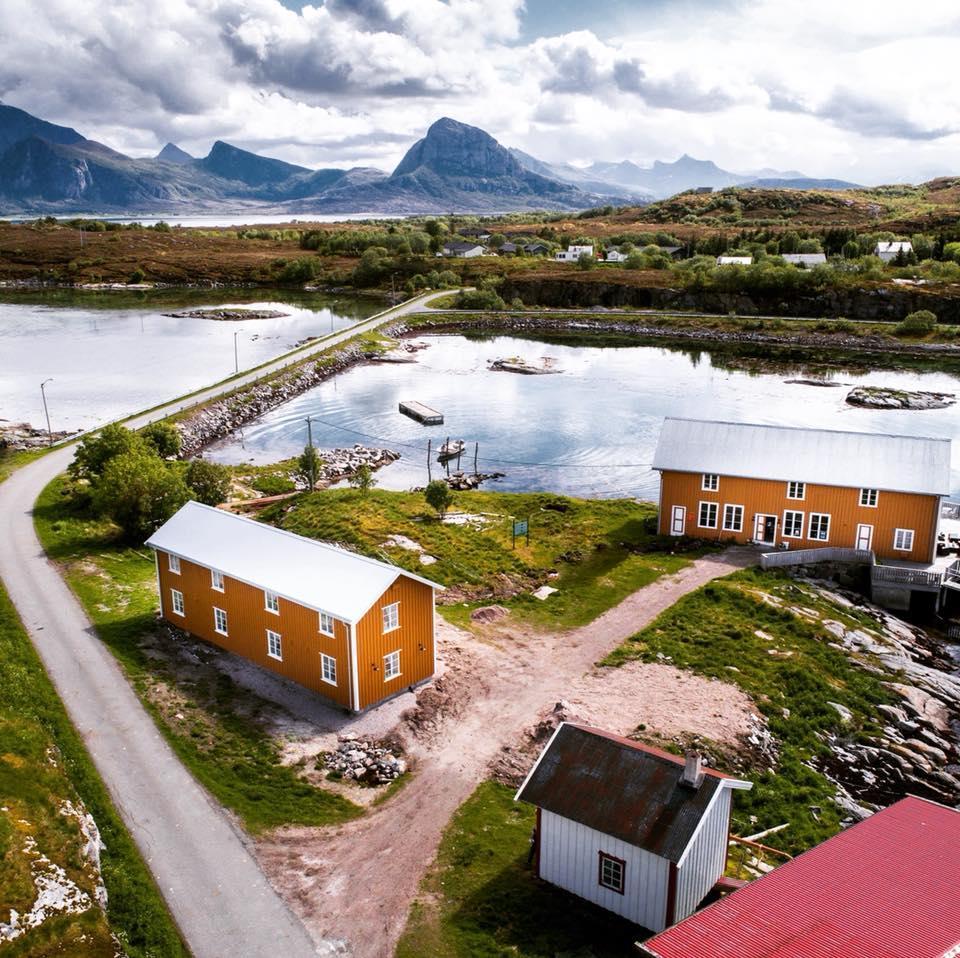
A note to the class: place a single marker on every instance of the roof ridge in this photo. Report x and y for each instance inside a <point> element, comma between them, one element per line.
<point>770,425</point>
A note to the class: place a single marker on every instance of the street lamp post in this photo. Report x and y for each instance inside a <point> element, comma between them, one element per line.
<point>236,354</point>
<point>46,412</point>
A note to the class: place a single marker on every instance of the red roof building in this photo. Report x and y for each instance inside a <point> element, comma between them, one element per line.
<point>886,887</point>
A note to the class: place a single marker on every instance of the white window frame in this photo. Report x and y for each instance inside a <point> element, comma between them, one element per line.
<point>787,525</point>
<point>391,666</point>
<point>216,580</point>
<point>328,669</point>
<point>716,514</point>
<point>274,639</point>
<point>391,617</point>
<point>216,621</point>
<point>271,602</point>
<point>739,526</point>
<point>905,537</point>
<point>173,563</point>
<point>618,868</point>
<point>795,486</point>
<point>176,599</point>
<point>820,516</point>
<point>868,494</point>
<point>326,617</point>
<point>710,482</point>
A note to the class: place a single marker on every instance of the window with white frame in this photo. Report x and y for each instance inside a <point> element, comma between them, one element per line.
<point>271,602</point>
<point>391,617</point>
<point>733,518</point>
<point>173,563</point>
<point>216,580</point>
<point>274,645</point>
<point>328,669</point>
<point>326,623</point>
<point>707,516</point>
<point>391,666</point>
<point>793,524</point>
<point>177,601</point>
<point>796,490</point>
<point>219,621</point>
<point>710,482</point>
<point>868,497</point>
<point>612,872</point>
<point>903,540</point>
<point>819,526</point>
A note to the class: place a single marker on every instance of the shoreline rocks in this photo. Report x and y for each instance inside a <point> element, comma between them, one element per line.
<point>22,435</point>
<point>882,397</point>
<point>227,315</point>
<point>515,364</point>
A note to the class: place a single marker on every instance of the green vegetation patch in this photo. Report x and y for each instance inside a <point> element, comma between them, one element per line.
<point>481,899</point>
<point>43,765</point>
<point>750,629</point>
<point>601,550</point>
<point>213,726</point>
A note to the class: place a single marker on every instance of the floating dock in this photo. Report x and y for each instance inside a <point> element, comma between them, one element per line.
<point>420,412</point>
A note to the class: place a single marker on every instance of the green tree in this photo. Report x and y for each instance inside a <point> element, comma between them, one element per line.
<point>439,496</point>
<point>309,464</point>
<point>497,240</point>
<point>208,482</point>
<point>419,243</point>
<point>810,246</point>
<point>94,452</point>
<point>789,242</point>
<point>363,479</point>
<point>586,261</point>
<point>139,492</point>
<point>164,437</point>
<point>433,227</point>
<point>851,249</point>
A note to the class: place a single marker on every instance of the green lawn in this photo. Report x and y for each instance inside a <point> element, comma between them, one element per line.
<point>212,725</point>
<point>11,460</point>
<point>792,676</point>
<point>43,763</point>
<point>602,549</point>
<point>480,898</point>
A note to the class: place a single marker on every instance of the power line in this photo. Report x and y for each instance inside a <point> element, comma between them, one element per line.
<point>499,462</point>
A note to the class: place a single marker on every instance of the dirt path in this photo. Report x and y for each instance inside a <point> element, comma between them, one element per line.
<point>355,884</point>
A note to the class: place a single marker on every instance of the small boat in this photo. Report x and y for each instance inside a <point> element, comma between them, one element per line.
<point>450,449</point>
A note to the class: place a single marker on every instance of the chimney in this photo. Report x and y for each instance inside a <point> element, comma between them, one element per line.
<point>692,770</point>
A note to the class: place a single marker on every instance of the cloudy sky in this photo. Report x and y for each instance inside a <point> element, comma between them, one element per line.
<point>861,89</point>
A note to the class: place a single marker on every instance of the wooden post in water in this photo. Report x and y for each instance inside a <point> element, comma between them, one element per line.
<point>429,478</point>
<point>476,447</point>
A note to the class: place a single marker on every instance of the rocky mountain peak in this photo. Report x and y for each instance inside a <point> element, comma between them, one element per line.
<point>451,148</point>
<point>172,153</point>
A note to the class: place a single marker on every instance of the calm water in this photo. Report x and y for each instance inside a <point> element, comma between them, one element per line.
<point>220,220</point>
<point>107,361</point>
<point>590,430</point>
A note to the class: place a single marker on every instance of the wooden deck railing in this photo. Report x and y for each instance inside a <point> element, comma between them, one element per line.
<point>901,576</point>
<point>789,557</point>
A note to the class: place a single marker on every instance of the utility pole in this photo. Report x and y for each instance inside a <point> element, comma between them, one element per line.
<point>236,354</point>
<point>429,476</point>
<point>393,290</point>
<point>313,477</point>
<point>46,412</point>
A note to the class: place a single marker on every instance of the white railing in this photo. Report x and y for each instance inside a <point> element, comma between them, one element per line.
<point>777,560</point>
<point>901,576</point>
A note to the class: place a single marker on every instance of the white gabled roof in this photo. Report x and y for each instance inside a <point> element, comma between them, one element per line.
<point>851,459</point>
<point>315,574</point>
<point>894,246</point>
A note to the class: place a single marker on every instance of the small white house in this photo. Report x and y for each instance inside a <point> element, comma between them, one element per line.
<point>888,251</point>
<point>615,256</point>
<point>805,260</point>
<point>462,250</point>
<point>734,260</point>
<point>630,828</point>
<point>573,254</point>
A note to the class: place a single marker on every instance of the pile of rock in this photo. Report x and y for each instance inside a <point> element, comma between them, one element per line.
<point>464,481</point>
<point>371,763</point>
<point>880,397</point>
<point>22,435</point>
<point>341,463</point>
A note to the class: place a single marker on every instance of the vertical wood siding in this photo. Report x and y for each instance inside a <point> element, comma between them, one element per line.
<point>414,639</point>
<point>569,857</point>
<point>705,859</point>
<point>247,623</point>
<point>894,510</point>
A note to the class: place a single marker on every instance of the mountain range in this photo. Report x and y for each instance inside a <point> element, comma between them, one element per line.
<point>45,168</point>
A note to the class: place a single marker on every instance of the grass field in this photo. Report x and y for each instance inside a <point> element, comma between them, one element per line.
<point>785,662</point>
<point>212,726</point>
<point>480,898</point>
<point>601,550</point>
<point>43,764</point>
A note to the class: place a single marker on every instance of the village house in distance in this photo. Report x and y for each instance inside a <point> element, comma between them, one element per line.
<point>628,827</point>
<point>794,488</point>
<point>352,629</point>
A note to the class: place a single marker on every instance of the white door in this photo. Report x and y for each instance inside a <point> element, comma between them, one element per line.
<point>864,536</point>
<point>678,520</point>
<point>765,529</point>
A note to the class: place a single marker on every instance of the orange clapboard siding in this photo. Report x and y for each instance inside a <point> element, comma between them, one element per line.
<point>247,623</point>
<point>414,639</point>
<point>894,510</point>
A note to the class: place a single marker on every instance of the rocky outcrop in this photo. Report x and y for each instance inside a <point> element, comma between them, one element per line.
<point>881,397</point>
<point>228,315</point>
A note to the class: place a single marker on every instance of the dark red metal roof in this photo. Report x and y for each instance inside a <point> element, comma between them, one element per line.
<point>888,887</point>
<point>621,788</point>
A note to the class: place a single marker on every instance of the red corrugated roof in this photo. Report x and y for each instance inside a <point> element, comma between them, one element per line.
<point>888,887</point>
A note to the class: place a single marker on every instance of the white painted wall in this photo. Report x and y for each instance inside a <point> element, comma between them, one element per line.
<point>569,858</point>
<point>705,858</point>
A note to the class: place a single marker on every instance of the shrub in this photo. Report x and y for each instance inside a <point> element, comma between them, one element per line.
<point>479,299</point>
<point>209,482</point>
<point>439,496</point>
<point>308,466</point>
<point>164,437</point>
<point>299,271</point>
<point>917,324</point>
<point>363,479</point>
